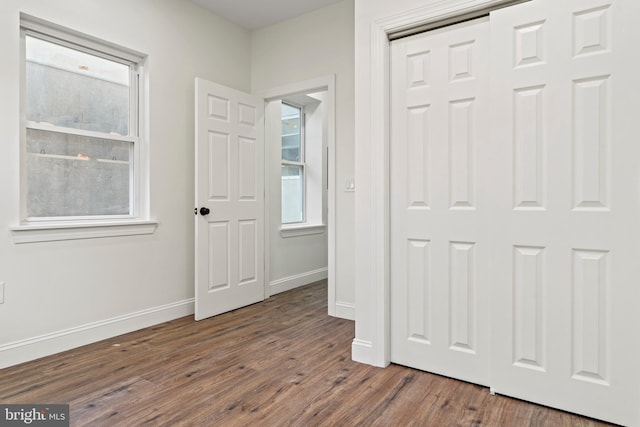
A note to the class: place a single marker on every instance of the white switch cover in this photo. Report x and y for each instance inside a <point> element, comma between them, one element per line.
<point>1,292</point>
<point>350,185</point>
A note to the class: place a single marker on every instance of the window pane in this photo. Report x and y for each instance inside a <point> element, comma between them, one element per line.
<point>69,88</point>
<point>70,175</point>
<point>292,194</point>
<point>291,142</point>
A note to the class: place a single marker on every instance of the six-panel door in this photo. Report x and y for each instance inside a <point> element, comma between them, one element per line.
<point>439,252</point>
<point>514,201</point>
<point>230,183</point>
<point>566,201</point>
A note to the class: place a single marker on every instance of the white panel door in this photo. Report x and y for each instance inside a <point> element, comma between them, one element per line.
<point>566,253</point>
<point>230,185</point>
<point>439,244</point>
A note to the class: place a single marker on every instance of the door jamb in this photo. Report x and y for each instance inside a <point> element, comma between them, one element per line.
<point>373,175</point>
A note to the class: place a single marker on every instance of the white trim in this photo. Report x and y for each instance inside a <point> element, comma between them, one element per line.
<point>376,214</point>
<point>292,282</point>
<point>331,194</point>
<point>83,41</point>
<point>373,290</point>
<point>307,86</point>
<point>74,231</point>
<point>267,201</point>
<point>298,230</point>
<point>56,342</point>
<point>446,18</point>
<point>345,310</point>
<point>363,351</point>
<point>327,83</point>
<point>437,11</point>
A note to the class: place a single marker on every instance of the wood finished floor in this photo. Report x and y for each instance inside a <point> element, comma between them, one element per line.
<point>282,362</point>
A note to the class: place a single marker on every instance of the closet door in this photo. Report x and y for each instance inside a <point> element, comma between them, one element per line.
<point>439,204</point>
<point>565,238</point>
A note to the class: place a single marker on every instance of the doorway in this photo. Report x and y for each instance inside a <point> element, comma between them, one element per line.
<point>300,198</point>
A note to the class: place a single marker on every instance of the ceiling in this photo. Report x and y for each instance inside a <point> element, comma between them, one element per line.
<point>255,14</point>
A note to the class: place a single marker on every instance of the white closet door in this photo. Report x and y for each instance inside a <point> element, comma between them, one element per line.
<point>439,253</point>
<point>565,260</point>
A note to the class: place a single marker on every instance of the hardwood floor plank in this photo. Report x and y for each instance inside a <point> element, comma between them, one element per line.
<point>282,362</point>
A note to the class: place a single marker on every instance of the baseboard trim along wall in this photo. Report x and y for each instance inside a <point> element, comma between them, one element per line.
<point>292,282</point>
<point>345,310</point>
<point>56,342</point>
<point>362,351</point>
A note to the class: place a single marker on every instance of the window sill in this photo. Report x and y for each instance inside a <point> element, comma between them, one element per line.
<point>298,230</point>
<point>55,232</point>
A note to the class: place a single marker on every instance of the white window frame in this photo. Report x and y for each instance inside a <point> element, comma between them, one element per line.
<point>301,163</point>
<point>67,228</point>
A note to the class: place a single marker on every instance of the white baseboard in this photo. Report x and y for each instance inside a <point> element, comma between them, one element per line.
<point>362,352</point>
<point>345,310</point>
<point>56,342</point>
<point>292,282</point>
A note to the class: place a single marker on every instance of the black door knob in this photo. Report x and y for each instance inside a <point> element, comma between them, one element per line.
<point>204,211</point>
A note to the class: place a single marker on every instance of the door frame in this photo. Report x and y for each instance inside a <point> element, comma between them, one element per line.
<point>372,343</point>
<point>323,83</point>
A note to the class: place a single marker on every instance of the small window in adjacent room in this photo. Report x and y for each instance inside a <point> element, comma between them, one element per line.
<point>82,154</point>
<point>293,164</point>
<point>300,123</point>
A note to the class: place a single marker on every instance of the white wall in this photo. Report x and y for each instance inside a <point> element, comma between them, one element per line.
<point>56,290</point>
<point>304,48</point>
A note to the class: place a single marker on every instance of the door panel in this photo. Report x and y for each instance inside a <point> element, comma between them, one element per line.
<point>229,182</point>
<point>248,256</point>
<point>519,239</point>
<point>564,257</point>
<point>439,311</point>
<point>219,166</point>
<point>219,255</point>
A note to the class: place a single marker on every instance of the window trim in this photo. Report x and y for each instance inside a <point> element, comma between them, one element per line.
<point>78,230</point>
<point>79,40</point>
<point>299,229</point>
<point>42,229</point>
<point>302,163</point>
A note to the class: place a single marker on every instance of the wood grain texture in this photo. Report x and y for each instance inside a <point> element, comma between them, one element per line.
<point>282,362</point>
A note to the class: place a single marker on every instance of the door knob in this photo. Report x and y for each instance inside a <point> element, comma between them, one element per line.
<point>204,211</point>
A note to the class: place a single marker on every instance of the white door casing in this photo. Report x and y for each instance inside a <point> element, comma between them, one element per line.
<point>439,244</point>
<point>229,162</point>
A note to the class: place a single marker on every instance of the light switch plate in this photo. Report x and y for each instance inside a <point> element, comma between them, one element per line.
<point>350,185</point>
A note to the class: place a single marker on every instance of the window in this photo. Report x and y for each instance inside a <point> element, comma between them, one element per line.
<point>302,129</point>
<point>81,135</point>
<point>83,158</point>
<point>293,164</point>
